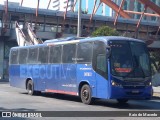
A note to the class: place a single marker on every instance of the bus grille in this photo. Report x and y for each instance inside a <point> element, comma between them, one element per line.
<point>131,93</point>
<point>134,87</point>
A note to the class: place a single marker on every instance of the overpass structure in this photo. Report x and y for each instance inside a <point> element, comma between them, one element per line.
<point>49,24</point>
<point>53,22</point>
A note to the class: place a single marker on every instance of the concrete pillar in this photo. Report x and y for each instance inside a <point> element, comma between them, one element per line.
<point>147,36</point>
<point>94,25</point>
<point>70,22</point>
<point>1,58</point>
<point>9,20</point>
<point>126,29</point>
<point>44,23</point>
<point>24,22</point>
<point>57,24</point>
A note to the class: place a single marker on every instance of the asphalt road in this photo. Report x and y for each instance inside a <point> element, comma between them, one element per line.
<point>15,99</point>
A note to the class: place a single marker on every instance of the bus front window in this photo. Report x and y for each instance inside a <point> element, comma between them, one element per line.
<point>129,59</point>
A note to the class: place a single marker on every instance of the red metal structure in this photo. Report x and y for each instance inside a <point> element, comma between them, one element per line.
<point>138,24</point>
<point>74,5</point>
<point>93,11</point>
<point>65,11</point>
<point>49,4</point>
<point>121,5</point>
<point>115,7</point>
<point>151,5</point>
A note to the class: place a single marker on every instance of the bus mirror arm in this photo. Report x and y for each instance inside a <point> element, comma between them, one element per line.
<point>108,51</point>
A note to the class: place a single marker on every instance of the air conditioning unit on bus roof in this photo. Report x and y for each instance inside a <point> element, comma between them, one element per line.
<point>63,39</point>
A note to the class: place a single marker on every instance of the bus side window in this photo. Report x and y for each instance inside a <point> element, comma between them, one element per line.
<point>101,65</point>
<point>55,54</point>
<point>69,53</point>
<point>101,62</point>
<point>99,58</point>
<point>32,57</point>
<point>84,52</point>
<point>23,56</point>
<point>43,55</point>
<point>14,57</point>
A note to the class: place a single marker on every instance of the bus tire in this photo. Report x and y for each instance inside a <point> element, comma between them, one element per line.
<point>122,100</point>
<point>86,94</point>
<point>30,88</point>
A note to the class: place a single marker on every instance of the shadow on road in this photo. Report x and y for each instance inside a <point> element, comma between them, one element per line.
<point>61,97</point>
<point>132,104</point>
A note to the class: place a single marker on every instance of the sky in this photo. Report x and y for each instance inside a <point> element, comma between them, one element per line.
<point>44,4</point>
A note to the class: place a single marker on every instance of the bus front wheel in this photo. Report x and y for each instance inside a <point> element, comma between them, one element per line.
<point>86,94</point>
<point>30,88</point>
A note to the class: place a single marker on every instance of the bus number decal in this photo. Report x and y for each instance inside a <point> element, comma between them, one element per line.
<point>88,74</point>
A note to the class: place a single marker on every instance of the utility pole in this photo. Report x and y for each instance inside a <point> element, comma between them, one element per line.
<point>79,19</point>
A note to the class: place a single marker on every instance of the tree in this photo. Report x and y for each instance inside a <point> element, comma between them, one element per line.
<point>155,60</point>
<point>105,31</point>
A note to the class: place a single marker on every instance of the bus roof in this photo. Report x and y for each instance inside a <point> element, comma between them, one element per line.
<point>63,39</point>
<point>102,38</point>
<point>71,40</point>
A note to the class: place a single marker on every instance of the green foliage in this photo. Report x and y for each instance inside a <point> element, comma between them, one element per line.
<point>155,61</point>
<point>105,31</point>
<point>82,11</point>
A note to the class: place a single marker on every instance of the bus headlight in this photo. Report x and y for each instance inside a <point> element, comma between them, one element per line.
<point>149,83</point>
<point>115,84</point>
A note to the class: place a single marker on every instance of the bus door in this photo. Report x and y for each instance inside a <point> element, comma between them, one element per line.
<point>101,77</point>
<point>100,66</point>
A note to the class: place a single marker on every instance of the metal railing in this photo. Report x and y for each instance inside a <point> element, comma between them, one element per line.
<point>32,35</point>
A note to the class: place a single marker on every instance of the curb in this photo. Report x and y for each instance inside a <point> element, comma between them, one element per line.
<point>156,95</point>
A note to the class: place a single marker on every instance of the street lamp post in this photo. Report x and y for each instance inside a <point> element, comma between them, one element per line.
<point>79,19</point>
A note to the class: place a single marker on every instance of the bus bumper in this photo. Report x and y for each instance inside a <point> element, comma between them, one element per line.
<point>136,93</point>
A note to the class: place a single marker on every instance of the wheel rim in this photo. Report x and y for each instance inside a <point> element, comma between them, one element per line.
<point>85,94</point>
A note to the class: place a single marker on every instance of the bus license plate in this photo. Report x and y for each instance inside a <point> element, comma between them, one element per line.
<point>135,91</point>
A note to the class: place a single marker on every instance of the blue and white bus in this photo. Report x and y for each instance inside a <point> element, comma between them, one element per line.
<point>100,67</point>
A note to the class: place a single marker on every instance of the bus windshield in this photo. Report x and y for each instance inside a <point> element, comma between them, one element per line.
<point>129,59</point>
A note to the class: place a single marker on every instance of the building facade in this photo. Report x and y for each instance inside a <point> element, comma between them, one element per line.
<point>87,7</point>
<point>62,4</point>
<point>134,5</point>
